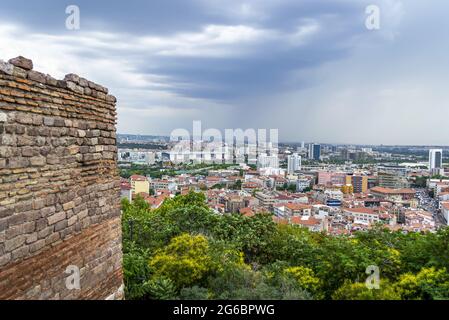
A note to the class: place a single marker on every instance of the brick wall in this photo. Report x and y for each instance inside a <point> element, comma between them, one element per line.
<point>59,187</point>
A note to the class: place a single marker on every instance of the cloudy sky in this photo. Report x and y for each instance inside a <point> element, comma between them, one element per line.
<point>309,68</point>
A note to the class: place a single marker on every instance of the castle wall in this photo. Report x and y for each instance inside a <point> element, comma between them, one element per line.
<point>59,187</point>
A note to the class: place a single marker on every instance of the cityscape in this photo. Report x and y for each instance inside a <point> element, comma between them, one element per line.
<point>332,188</point>
<point>225,159</point>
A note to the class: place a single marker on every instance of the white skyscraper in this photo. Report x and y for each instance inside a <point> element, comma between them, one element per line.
<point>294,163</point>
<point>435,159</point>
<point>266,161</point>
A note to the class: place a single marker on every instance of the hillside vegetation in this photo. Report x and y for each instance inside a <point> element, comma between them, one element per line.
<point>183,250</point>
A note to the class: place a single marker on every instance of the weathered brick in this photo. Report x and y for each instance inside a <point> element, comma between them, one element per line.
<point>38,161</point>
<point>37,76</point>
<point>14,243</point>
<point>68,205</point>
<point>3,224</point>
<point>6,67</point>
<point>45,232</point>
<point>56,218</point>
<point>4,259</point>
<point>48,121</point>
<point>20,252</point>
<point>37,245</point>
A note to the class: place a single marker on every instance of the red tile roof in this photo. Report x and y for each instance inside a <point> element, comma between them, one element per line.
<point>360,210</point>
<point>311,221</point>
<point>298,206</point>
<point>247,212</point>
<point>392,191</point>
<point>138,178</point>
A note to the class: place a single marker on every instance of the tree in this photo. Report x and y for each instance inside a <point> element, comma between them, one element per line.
<point>194,293</point>
<point>246,284</point>
<point>184,250</point>
<point>161,288</point>
<point>135,272</point>
<point>185,261</point>
<point>305,277</point>
<point>428,284</point>
<point>250,234</point>
<point>237,185</point>
<point>359,291</point>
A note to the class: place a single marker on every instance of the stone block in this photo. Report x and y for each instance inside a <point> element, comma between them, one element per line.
<point>6,68</point>
<point>22,62</point>
<point>56,218</point>
<point>37,76</point>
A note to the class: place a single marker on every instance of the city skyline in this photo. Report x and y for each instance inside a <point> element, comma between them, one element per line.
<point>299,141</point>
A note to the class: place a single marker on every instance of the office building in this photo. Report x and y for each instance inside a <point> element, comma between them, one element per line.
<point>435,159</point>
<point>314,151</point>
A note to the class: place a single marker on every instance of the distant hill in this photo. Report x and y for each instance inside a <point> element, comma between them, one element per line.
<point>133,138</point>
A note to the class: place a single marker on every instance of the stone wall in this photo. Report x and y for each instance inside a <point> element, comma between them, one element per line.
<point>59,187</point>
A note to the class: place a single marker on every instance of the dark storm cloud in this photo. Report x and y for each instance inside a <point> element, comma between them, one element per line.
<point>305,66</point>
<point>264,64</point>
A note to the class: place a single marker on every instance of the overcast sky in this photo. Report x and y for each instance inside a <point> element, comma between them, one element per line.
<point>308,68</point>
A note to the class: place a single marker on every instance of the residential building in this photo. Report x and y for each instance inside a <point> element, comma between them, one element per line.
<point>309,222</point>
<point>159,184</point>
<point>126,190</point>
<point>266,199</point>
<point>139,184</point>
<point>359,183</point>
<point>392,180</point>
<point>364,216</point>
<point>445,211</point>
<point>268,161</point>
<point>298,209</point>
<point>303,184</point>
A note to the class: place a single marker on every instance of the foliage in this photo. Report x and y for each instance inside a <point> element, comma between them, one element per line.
<point>359,291</point>
<point>428,284</point>
<point>183,250</point>
<point>245,284</point>
<point>185,260</point>
<point>305,277</point>
<point>161,288</point>
<point>194,293</point>
<point>136,272</point>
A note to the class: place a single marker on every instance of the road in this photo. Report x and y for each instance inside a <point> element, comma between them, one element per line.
<point>429,204</point>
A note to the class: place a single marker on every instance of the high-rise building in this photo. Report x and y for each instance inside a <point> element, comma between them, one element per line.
<point>392,180</point>
<point>266,161</point>
<point>359,183</point>
<point>435,159</point>
<point>314,151</point>
<point>294,163</point>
